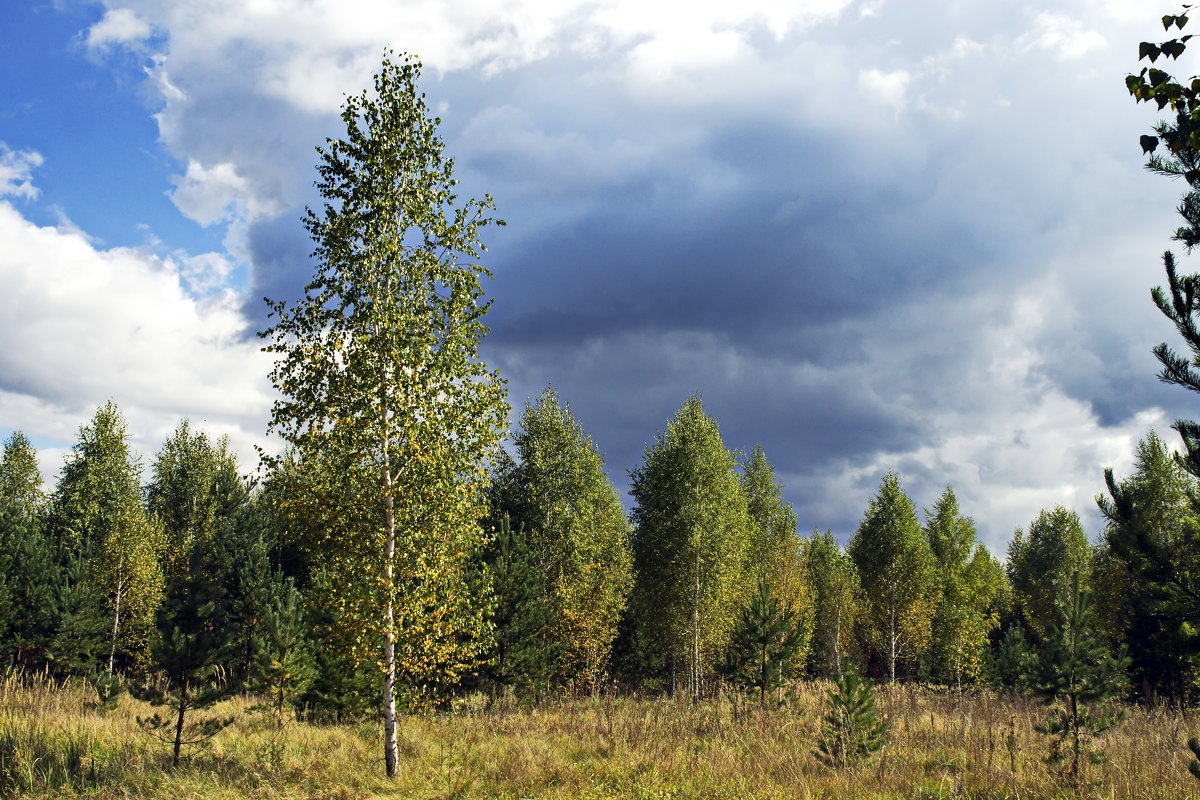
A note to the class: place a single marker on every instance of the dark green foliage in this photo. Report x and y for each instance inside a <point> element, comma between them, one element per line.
<point>1150,558</point>
<point>78,642</point>
<point>1076,670</point>
<point>1012,658</point>
<point>241,565</point>
<point>525,653</point>
<point>1178,580</point>
<point>30,577</point>
<point>342,690</point>
<point>190,651</point>
<point>109,688</point>
<point>283,666</point>
<point>852,730</point>
<point>766,636</point>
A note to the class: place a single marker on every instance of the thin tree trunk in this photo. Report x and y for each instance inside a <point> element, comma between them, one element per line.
<point>391,751</point>
<point>837,642</point>
<point>892,644</point>
<point>696,632</point>
<point>112,650</point>
<point>183,705</point>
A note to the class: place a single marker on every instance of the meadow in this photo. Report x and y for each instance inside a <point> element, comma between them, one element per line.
<point>55,743</point>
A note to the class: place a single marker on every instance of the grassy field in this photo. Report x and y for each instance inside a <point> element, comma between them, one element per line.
<point>941,746</point>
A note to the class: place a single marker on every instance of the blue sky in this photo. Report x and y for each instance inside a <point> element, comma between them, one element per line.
<point>871,234</point>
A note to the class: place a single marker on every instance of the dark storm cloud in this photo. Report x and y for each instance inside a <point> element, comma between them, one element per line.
<point>845,253</point>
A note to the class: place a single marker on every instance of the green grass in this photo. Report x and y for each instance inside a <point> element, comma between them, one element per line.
<point>53,744</point>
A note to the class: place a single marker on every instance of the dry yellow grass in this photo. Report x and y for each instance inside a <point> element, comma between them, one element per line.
<point>940,746</point>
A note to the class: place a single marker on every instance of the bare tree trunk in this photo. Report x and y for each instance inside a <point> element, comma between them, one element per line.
<point>112,650</point>
<point>696,632</point>
<point>183,706</point>
<point>837,642</point>
<point>391,751</point>
<point>892,643</point>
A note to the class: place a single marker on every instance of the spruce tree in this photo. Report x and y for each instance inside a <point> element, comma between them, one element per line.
<point>189,652</point>
<point>852,730</point>
<point>282,666</point>
<point>1147,559</point>
<point>1076,670</point>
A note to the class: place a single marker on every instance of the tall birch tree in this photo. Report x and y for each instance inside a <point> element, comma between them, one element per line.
<point>559,494</point>
<point>381,382</point>
<point>896,566</point>
<point>692,529</point>
<point>97,513</point>
<point>838,601</point>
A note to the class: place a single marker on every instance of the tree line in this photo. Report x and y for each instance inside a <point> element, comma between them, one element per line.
<point>194,573</point>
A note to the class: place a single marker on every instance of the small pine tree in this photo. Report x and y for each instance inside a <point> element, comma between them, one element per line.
<point>852,729</point>
<point>189,651</point>
<point>1075,670</point>
<point>1194,765</point>
<point>767,635</point>
<point>282,667</point>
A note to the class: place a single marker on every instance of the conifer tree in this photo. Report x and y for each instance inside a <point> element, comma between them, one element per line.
<point>283,666</point>
<point>383,389</point>
<point>526,649</point>
<point>1075,669</point>
<point>692,529</point>
<point>896,566</point>
<point>558,494</point>
<point>838,601</point>
<point>1150,551</point>
<point>852,730</point>
<point>80,643</point>
<point>768,634</point>
<point>189,651</point>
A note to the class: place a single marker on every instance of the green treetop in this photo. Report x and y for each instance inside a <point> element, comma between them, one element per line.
<point>559,495</point>
<point>1054,548</point>
<point>690,540</point>
<point>897,570</point>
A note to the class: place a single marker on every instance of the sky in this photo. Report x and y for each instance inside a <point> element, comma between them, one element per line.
<point>872,235</point>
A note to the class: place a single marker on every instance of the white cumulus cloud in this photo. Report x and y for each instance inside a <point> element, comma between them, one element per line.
<point>118,26</point>
<point>16,172</point>
<point>83,325</point>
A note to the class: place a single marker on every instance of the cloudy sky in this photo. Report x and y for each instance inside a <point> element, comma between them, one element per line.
<point>871,234</point>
